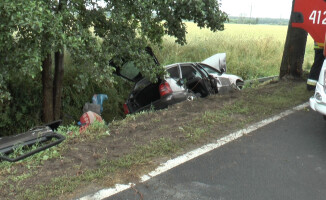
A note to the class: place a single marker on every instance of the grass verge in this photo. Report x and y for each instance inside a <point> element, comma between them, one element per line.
<point>126,149</point>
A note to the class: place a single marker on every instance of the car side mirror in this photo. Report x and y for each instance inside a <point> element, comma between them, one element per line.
<point>222,70</point>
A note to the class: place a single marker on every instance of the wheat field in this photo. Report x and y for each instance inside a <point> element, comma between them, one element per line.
<point>252,50</point>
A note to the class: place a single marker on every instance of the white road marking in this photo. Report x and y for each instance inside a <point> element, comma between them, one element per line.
<point>104,193</point>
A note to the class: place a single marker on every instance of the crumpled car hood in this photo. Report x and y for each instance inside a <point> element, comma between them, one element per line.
<point>217,61</point>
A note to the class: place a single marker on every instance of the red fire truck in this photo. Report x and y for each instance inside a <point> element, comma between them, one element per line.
<point>310,15</point>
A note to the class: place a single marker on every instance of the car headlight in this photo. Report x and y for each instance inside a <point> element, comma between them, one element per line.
<point>318,97</point>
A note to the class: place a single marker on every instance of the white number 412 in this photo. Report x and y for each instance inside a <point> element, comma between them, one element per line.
<point>316,15</point>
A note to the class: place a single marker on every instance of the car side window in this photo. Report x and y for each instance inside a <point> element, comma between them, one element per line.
<point>174,72</point>
<point>203,70</point>
<point>188,72</point>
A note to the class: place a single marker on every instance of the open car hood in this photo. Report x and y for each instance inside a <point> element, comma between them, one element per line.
<point>129,71</point>
<point>217,61</point>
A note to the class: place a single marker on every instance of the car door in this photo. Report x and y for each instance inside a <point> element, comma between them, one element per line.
<point>195,80</point>
<point>211,79</point>
<point>223,82</point>
<point>176,84</point>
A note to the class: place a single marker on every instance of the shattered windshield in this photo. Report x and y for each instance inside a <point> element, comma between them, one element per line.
<point>210,70</point>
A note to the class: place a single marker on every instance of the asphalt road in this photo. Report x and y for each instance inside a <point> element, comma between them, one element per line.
<point>283,160</point>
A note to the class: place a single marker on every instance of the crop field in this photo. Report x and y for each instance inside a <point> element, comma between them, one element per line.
<point>252,50</point>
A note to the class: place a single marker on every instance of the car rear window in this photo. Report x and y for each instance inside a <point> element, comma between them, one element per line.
<point>129,70</point>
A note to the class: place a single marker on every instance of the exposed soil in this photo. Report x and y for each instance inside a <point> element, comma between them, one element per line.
<point>125,137</point>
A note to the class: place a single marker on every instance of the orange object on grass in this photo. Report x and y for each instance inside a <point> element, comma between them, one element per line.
<point>88,118</point>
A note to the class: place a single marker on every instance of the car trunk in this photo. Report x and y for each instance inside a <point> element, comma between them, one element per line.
<point>149,94</point>
<point>144,94</point>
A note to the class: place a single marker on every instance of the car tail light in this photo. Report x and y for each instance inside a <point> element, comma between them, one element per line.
<point>125,108</point>
<point>165,89</point>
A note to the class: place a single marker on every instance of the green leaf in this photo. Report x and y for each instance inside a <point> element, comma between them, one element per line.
<point>45,157</point>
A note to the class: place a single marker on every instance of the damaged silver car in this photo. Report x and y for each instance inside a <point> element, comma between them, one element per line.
<point>185,81</point>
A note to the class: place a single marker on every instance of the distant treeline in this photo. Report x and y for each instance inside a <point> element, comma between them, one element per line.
<point>247,20</point>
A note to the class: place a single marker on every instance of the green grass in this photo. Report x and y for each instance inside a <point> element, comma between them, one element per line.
<point>70,132</point>
<point>253,104</point>
<point>140,156</point>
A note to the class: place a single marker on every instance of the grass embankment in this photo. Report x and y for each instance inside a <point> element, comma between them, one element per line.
<point>126,149</point>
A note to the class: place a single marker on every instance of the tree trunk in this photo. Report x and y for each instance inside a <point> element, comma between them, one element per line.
<point>294,50</point>
<point>47,89</point>
<point>58,83</point>
<point>58,73</point>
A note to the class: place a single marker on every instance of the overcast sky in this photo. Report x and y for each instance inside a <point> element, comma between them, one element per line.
<point>260,8</point>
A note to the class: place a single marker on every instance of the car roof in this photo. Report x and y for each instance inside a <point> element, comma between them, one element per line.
<point>176,64</point>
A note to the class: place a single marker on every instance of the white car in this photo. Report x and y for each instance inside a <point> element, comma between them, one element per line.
<point>318,101</point>
<point>183,81</point>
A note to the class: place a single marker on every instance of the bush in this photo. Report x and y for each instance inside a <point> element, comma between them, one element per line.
<point>74,97</point>
<point>24,110</point>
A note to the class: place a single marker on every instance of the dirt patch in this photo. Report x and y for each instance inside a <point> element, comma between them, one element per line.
<point>188,125</point>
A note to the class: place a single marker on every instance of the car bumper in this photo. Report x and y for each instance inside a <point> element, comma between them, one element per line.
<point>318,101</point>
<point>167,100</point>
<point>172,99</point>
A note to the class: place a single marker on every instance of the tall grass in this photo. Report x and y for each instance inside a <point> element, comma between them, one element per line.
<point>252,50</point>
